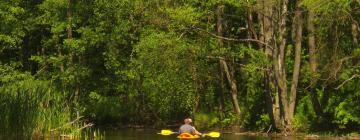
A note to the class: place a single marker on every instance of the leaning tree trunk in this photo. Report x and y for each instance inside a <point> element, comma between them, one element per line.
<point>233,85</point>
<point>228,69</point>
<point>295,78</point>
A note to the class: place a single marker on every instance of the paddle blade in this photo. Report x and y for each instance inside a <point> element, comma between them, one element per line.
<point>166,132</point>
<point>213,134</point>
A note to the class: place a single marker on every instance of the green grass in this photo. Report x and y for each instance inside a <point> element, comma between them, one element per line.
<point>33,108</point>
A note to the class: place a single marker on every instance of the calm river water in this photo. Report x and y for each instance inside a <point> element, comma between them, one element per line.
<point>151,135</point>
<point>131,134</point>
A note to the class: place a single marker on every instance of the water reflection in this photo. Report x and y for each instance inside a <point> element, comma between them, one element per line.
<point>151,135</point>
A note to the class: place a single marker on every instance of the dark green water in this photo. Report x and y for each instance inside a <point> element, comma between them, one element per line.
<point>131,134</point>
<point>151,135</point>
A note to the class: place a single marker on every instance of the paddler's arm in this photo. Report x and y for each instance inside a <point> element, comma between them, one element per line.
<point>197,132</point>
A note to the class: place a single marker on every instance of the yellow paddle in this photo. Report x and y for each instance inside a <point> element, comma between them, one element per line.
<point>212,134</point>
<point>169,132</point>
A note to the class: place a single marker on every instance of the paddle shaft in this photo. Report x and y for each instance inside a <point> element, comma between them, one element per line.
<point>169,132</point>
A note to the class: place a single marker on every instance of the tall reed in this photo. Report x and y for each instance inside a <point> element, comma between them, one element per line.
<point>32,108</point>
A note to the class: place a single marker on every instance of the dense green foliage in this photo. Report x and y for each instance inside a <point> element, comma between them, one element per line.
<point>155,62</point>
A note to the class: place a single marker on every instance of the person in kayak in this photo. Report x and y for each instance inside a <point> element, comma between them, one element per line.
<point>188,128</point>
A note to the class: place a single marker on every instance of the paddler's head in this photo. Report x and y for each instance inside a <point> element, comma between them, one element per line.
<point>188,121</point>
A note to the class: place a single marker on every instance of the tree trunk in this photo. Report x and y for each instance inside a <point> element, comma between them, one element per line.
<point>313,63</point>
<point>69,18</point>
<point>232,82</point>
<point>295,78</point>
<point>219,23</point>
<point>280,63</point>
<point>250,28</point>
<point>266,35</point>
<point>59,51</point>
<point>229,72</point>
<point>354,32</point>
<point>222,92</point>
<point>220,32</point>
<point>72,55</point>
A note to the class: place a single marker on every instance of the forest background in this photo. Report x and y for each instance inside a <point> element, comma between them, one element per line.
<point>284,65</point>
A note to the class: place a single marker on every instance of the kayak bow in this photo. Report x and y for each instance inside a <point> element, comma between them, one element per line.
<point>187,136</point>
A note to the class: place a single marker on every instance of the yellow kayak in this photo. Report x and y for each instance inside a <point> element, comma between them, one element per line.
<point>188,136</point>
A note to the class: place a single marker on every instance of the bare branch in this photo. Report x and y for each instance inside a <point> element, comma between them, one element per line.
<point>242,65</point>
<point>267,132</point>
<point>69,123</point>
<point>85,126</point>
<point>181,35</point>
<point>342,84</point>
<point>227,72</point>
<point>234,39</point>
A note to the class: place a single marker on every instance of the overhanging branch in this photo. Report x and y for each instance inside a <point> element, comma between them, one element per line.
<point>234,39</point>
<point>342,84</point>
